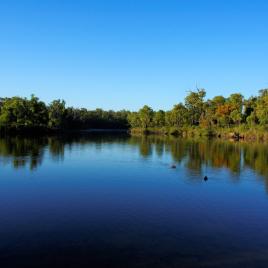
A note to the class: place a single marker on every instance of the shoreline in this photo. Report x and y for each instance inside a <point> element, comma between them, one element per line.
<point>234,134</point>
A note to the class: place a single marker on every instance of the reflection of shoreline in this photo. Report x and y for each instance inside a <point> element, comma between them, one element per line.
<point>234,156</point>
<point>98,130</point>
<point>193,154</point>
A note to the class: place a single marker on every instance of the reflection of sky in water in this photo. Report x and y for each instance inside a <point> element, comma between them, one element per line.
<point>115,200</point>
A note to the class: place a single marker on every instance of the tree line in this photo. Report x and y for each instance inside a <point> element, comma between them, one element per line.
<point>18,113</point>
<point>218,112</point>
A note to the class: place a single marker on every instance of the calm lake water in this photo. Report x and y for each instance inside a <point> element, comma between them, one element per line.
<point>114,201</point>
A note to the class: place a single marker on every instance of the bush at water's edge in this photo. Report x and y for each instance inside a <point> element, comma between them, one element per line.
<point>252,134</point>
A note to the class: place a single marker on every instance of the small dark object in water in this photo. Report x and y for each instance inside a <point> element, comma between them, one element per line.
<point>205,178</point>
<point>173,166</point>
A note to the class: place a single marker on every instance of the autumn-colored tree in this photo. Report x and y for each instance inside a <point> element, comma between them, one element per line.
<point>223,114</point>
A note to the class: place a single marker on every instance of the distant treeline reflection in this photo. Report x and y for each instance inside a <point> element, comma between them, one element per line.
<point>192,154</point>
<point>211,152</point>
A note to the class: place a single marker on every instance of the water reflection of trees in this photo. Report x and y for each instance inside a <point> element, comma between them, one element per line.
<point>196,154</point>
<point>193,154</point>
<point>22,151</point>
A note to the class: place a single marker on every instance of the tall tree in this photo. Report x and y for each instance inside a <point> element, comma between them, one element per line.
<point>134,120</point>
<point>236,100</point>
<point>262,107</point>
<point>37,112</point>
<point>146,116</point>
<point>194,102</point>
<point>159,119</point>
<point>179,115</point>
<point>56,114</point>
<point>14,113</point>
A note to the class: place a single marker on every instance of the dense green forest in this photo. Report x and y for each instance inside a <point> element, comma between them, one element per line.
<point>20,114</point>
<point>197,115</point>
<point>197,112</point>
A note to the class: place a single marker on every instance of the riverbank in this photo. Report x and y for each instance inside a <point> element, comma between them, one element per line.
<point>44,131</point>
<point>235,133</point>
<point>229,133</point>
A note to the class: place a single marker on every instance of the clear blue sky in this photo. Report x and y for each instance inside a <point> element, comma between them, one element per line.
<point>119,54</point>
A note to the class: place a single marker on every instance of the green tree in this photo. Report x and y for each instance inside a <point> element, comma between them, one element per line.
<point>37,113</point>
<point>249,115</point>
<point>262,107</point>
<point>14,113</point>
<point>236,100</point>
<point>134,119</point>
<point>159,119</point>
<point>194,102</point>
<point>56,114</point>
<point>146,116</point>
<point>168,119</point>
<point>178,115</point>
<point>217,100</point>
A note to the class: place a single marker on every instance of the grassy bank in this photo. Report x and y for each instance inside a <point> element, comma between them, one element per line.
<point>242,132</point>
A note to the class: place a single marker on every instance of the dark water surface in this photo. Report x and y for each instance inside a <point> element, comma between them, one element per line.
<point>114,201</point>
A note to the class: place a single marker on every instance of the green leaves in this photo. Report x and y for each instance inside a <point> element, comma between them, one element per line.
<point>20,113</point>
<point>146,116</point>
<point>56,113</point>
<point>194,102</point>
<point>262,107</point>
<point>179,115</point>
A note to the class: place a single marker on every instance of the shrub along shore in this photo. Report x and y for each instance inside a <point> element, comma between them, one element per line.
<point>233,133</point>
<point>232,117</point>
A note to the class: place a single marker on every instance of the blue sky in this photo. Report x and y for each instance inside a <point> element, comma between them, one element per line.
<point>126,53</point>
